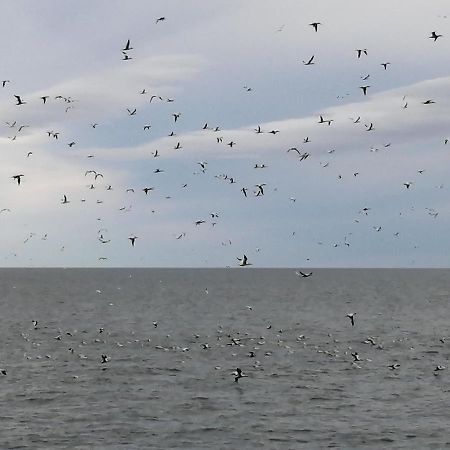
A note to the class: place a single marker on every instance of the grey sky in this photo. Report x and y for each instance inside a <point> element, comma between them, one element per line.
<point>233,65</point>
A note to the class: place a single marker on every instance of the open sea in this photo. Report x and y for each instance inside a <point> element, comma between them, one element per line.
<point>172,338</point>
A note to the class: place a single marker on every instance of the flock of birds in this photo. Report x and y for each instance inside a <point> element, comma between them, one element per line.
<point>258,189</point>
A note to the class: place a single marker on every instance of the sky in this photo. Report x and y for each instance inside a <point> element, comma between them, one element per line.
<point>346,179</point>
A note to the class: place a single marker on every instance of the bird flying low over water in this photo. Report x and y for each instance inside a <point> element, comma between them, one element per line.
<point>244,261</point>
<point>303,274</point>
<point>238,374</point>
<point>351,316</point>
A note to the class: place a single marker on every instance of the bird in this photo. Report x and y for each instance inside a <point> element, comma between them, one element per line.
<point>105,359</point>
<point>394,366</point>
<point>351,316</point>
<point>385,65</point>
<point>315,25</point>
<point>364,89</point>
<point>44,98</point>
<point>244,261</point>
<point>160,19</point>
<point>435,36</point>
<point>238,374</point>
<point>18,178</point>
<point>360,51</point>
<point>64,200</point>
<point>133,240</point>
<point>127,46</point>
<point>303,274</point>
<point>19,100</point>
<point>309,62</point>
<point>4,82</point>
<point>260,188</point>
<point>176,116</point>
<point>131,112</point>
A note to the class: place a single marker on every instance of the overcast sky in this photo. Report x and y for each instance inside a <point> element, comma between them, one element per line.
<point>369,188</point>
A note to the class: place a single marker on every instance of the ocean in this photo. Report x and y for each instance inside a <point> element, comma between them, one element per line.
<point>172,339</point>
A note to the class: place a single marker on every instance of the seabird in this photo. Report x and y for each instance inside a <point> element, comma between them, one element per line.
<point>309,62</point>
<point>435,36</point>
<point>315,25</point>
<point>19,100</point>
<point>18,177</point>
<point>127,47</point>
<point>238,374</point>
<point>364,89</point>
<point>303,274</point>
<point>244,261</point>
<point>351,316</point>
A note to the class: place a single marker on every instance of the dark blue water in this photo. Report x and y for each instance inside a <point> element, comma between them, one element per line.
<point>173,338</point>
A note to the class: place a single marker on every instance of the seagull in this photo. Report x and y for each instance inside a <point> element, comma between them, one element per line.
<point>176,116</point>
<point>303,274</point>
<point>315,25</point>
<point>238,374</point>
<point>364,89</point>
<point>351,316</point>
<point>131,113</point>
<point>19,100</point>
<point>18,177</point>
<point>127,47</point>
<point>4,82</point>
<point>360,51</point>
<point>310,61</point>
<point>435,36</point>
<point>64,200</point>
<point>105,359</point>
<point>132,239</point>
<point>260,188</point>
<point>161,19</point>
<point>244,261</point>
<point>385,65</point>
<point>394,366</point>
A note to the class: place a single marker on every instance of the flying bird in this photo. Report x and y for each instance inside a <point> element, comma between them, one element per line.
<point>303,274</point>
<point>18,178</point>
<point>351,316</point>
<point>364,89</point>
<point>244,261</point>
<point>309,62</point>
<point>315,25</point>
<point>127,46</point>
<point>435,36</point>
<point>19,100</point>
